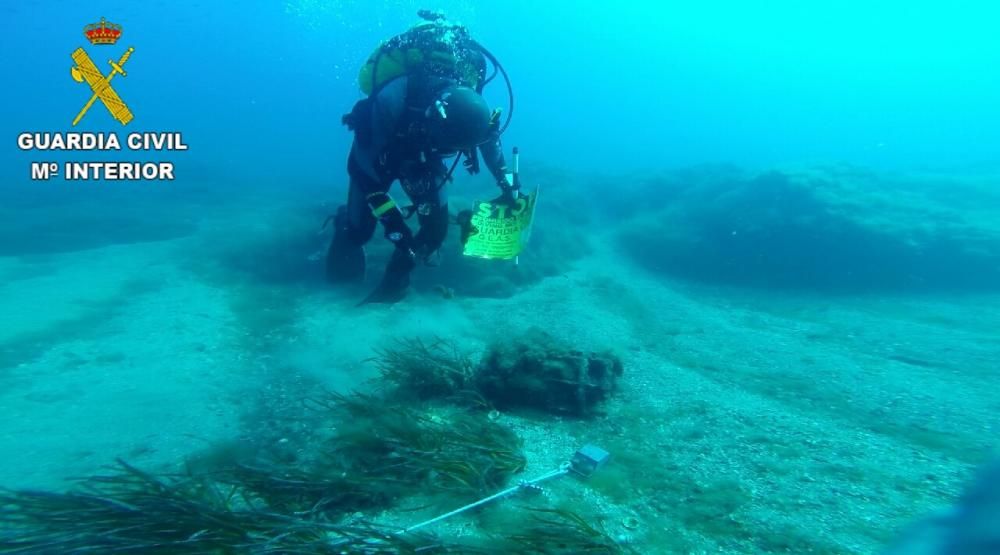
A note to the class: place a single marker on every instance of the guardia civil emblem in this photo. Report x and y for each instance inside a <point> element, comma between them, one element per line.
<point>101,34</point>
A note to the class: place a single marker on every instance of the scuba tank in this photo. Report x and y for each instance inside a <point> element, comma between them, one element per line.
<point>434,48</point>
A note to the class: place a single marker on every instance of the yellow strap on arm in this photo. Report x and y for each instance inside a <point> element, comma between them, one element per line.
<point>382,209</point>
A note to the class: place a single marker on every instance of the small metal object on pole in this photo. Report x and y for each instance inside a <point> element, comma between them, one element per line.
<point>588,460</point>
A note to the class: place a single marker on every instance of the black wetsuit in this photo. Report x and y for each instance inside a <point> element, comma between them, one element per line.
<point>393,141</point>
<point>388,146</point>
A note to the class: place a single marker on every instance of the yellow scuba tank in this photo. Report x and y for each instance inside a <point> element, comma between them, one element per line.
<point>432,48</point>
<point>391,63</point>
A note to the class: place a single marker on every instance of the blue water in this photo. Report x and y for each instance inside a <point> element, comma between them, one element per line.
<point>258,90</point>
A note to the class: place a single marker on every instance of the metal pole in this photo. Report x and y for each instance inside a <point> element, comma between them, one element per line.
<point>564,469</point>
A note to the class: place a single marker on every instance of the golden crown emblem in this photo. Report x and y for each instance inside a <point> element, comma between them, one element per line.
<point>103,32</point>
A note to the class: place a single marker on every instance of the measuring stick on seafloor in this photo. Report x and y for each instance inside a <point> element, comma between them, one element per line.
<point>564,469</point>
<point>585,462</point>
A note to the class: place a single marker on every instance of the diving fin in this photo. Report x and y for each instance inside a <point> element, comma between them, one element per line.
<point>396,280</point>
<point>345,260</point>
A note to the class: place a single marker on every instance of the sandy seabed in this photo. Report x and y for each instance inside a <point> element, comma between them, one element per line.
<point>745,422</point>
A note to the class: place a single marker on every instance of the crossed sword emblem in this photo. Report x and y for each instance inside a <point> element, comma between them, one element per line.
<point>101,84</point>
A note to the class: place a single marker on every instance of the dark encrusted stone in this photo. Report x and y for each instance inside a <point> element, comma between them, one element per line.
<point>538,371</point>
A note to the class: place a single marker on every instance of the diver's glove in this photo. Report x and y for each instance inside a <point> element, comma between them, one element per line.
<point>396,280</point>
<point>464,221</point>
<point>508,192</point>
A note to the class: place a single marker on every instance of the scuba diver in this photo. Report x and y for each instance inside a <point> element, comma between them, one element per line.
<point>424,105</point>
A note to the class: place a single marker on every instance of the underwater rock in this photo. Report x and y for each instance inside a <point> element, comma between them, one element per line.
<point>538,371</point>
<point>829,229</point>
